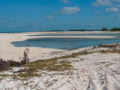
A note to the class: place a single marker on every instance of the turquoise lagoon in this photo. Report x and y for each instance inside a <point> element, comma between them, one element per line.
<point>68,43</point>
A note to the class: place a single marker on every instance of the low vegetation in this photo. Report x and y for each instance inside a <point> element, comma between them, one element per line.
<point>108,45</point>
<point>53,64</point>
<point>5,65</point>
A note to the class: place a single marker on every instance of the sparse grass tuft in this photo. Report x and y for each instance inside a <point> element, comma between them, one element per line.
<point>109,51</point>
<point>54,64</point>
<point>28,74</point>
<point>5,65</point>
<point>108,45</point>
<point>50,65</point>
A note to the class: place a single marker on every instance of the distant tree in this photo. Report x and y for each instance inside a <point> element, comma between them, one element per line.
<point>115,29</point>
<point>104,29</point>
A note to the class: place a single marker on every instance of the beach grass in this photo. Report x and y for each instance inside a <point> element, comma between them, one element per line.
<point>57,63</point>
<point>108,45</point>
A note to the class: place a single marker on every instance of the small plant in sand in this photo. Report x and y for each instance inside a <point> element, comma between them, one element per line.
<point>25,58</point>
<point>5,65</point>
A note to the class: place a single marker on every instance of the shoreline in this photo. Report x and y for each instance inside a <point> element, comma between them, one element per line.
<point>62,32</point>
<point>9,51</point>
<point>97,37</point>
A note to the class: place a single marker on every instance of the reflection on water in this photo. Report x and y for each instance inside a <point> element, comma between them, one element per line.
<point>67,43</point>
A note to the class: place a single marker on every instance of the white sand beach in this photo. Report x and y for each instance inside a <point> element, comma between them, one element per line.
<point>8,51</point>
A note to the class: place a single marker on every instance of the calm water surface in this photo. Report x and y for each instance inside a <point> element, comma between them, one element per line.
<point>68,43</point>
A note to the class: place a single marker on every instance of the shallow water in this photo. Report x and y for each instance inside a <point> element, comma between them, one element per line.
<point>68,43</point>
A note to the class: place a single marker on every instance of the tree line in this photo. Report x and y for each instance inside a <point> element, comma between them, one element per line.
<point>103,29</point>
<point>112,29</point>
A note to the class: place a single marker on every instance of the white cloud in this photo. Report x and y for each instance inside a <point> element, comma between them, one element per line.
<point>2,21</point>
<point>118,16</point>
<point>102,2</point>
<point>117,5</point>
<point>6,20</point>
<point>97,11</point>
<point>117,0</point>
<point>65,1</point>
<point>56,13</point>
<point>69,10</point>
<point>98,18</point>
<point>91,24</point>
<point>112,9</point>
<point>50,17</point>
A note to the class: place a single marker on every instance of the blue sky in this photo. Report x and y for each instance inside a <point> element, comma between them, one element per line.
<point>33,15</point>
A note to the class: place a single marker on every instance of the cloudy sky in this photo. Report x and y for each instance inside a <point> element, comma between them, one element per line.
<point>33,15</point>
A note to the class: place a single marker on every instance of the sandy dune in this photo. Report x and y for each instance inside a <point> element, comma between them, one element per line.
<point>94,71</point>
